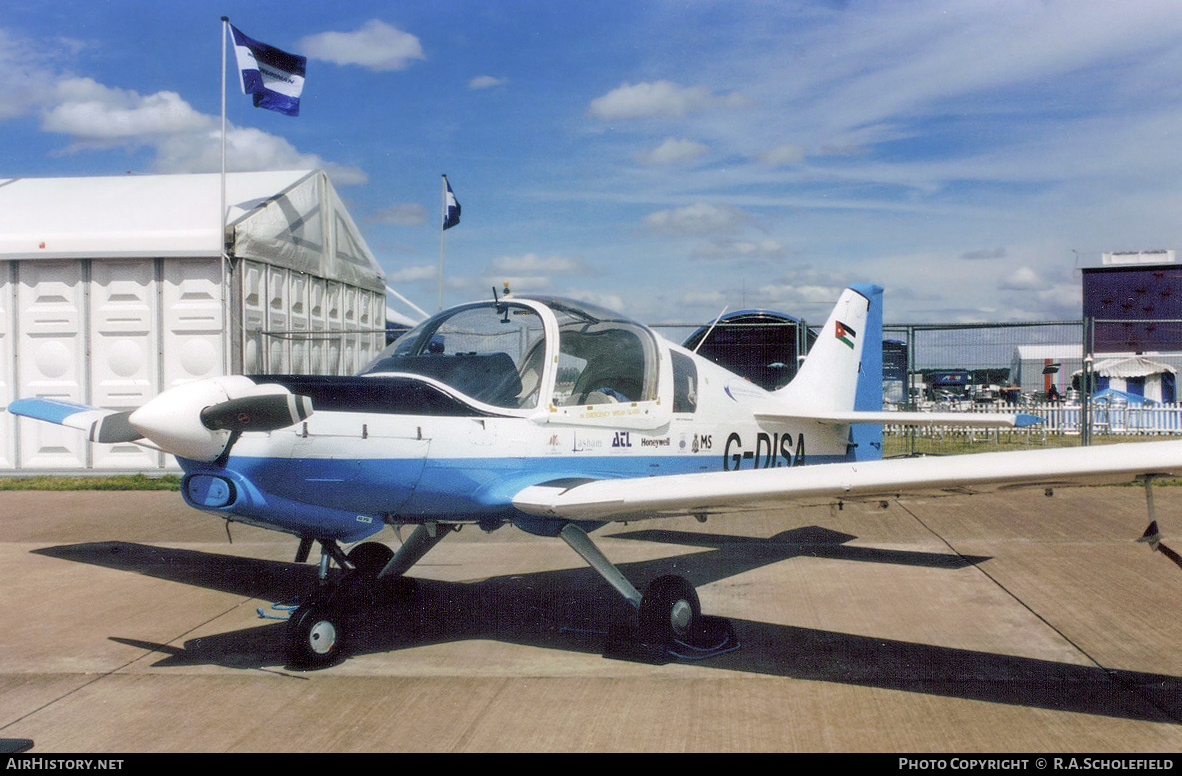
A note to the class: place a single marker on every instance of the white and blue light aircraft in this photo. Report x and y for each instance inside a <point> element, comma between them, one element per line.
<point>557,418</point>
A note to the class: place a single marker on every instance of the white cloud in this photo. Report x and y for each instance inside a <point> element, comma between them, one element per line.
<point>486,82</point>
<point>741,249</point>
<point>789,296</point>
<point>1022,279</point>
<point>179,138</point>
<point>985,254</point>
<point>1063,301</point>
<point>673,151</point>
<point>400,215</point>
<point>659,98</point>
<point>376,46</point>
<point>705,299</point>
<point>783,155</point>
<point>413,274</point>
<point>531,263</point>
<point>26,83</point>
<point>699,219</point>
<point>528,272</point>
<point>97,115</point>
<point>613,302</point>
<point>246,149</point>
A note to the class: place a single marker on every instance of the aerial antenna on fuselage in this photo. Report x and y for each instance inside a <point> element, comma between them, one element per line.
<point>707,334</point>
<point>500,306</point>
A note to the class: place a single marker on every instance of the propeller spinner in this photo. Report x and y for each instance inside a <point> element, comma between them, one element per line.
<point>197,420</point>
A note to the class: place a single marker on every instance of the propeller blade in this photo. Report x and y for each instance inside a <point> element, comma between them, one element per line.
<point>267,412</point>
<point>114,428</point>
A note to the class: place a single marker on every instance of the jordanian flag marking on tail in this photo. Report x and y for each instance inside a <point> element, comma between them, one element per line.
<point>845,334</point>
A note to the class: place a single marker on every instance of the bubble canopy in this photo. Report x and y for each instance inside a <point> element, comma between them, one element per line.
<point>525,353</point>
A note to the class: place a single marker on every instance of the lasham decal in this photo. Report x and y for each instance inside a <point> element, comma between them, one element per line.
<point>585,443</point>
<point>770,451</point>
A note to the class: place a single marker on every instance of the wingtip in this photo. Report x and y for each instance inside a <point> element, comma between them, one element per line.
<point>1022,420</point>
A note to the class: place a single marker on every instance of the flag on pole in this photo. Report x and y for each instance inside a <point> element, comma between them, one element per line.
<point>274,77</point>
<point>451,207</point>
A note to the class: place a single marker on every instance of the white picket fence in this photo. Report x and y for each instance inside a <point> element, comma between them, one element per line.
<point>1113,418</point>
<point>1107,418</point>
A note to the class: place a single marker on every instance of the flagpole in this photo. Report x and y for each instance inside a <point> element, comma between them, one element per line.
<point>222,211</point>
<point>442,231</point>
<point>227,358</point>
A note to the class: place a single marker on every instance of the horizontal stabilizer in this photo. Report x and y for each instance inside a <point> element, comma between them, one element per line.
<point>958,419</point>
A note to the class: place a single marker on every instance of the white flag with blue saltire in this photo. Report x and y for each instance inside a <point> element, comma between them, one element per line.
<point>451,207</point>
<point>274,77</point>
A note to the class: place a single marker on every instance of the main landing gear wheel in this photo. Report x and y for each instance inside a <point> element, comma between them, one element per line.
<point>315,636</point>
<point>669,611</point>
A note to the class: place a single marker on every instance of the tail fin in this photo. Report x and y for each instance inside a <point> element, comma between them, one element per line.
<point>828,379</point>
<point>840,382</point>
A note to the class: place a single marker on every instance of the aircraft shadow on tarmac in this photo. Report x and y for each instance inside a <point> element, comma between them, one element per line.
<point>572,609</point>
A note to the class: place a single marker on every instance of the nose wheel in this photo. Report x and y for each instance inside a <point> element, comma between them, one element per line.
<point>315,636</point>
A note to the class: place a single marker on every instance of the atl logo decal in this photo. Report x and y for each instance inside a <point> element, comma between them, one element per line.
<point>845,333</point>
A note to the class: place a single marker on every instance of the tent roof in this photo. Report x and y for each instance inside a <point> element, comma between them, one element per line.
<point>1136,366</point>
<point>1056,352</point>
<point>291,218</point>
<point>127,216</point>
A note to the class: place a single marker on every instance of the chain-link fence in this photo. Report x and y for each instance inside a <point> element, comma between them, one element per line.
<point>1025,367</point>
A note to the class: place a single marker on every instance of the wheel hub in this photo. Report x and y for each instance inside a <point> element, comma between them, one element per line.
<point>680,616</point>
<point>322,637</point>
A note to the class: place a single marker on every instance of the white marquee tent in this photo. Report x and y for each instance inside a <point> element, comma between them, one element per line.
<point>113,289</point>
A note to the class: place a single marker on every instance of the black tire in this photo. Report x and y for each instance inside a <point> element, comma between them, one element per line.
<point>369,558</point>
<point>316,636</point>
<point>669,610</point>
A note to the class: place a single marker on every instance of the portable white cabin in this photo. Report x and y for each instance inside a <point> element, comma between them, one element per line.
<point>1034,368</point>
<point>1138,376</point>
<point>113,289</point>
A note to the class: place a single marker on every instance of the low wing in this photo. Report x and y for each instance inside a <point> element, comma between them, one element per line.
<point>752,489</point>
<point>107,426</point>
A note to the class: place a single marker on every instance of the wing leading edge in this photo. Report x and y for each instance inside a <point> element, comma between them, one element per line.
<point>719,492</point>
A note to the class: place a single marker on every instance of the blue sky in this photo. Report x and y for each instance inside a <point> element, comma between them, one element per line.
<point>668,159</point>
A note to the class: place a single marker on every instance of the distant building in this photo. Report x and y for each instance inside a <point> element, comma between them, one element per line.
<point>1135,298</point>
<point>1035,369</point>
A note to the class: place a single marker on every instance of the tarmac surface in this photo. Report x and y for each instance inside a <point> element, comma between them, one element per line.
<point>1001,623</point>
